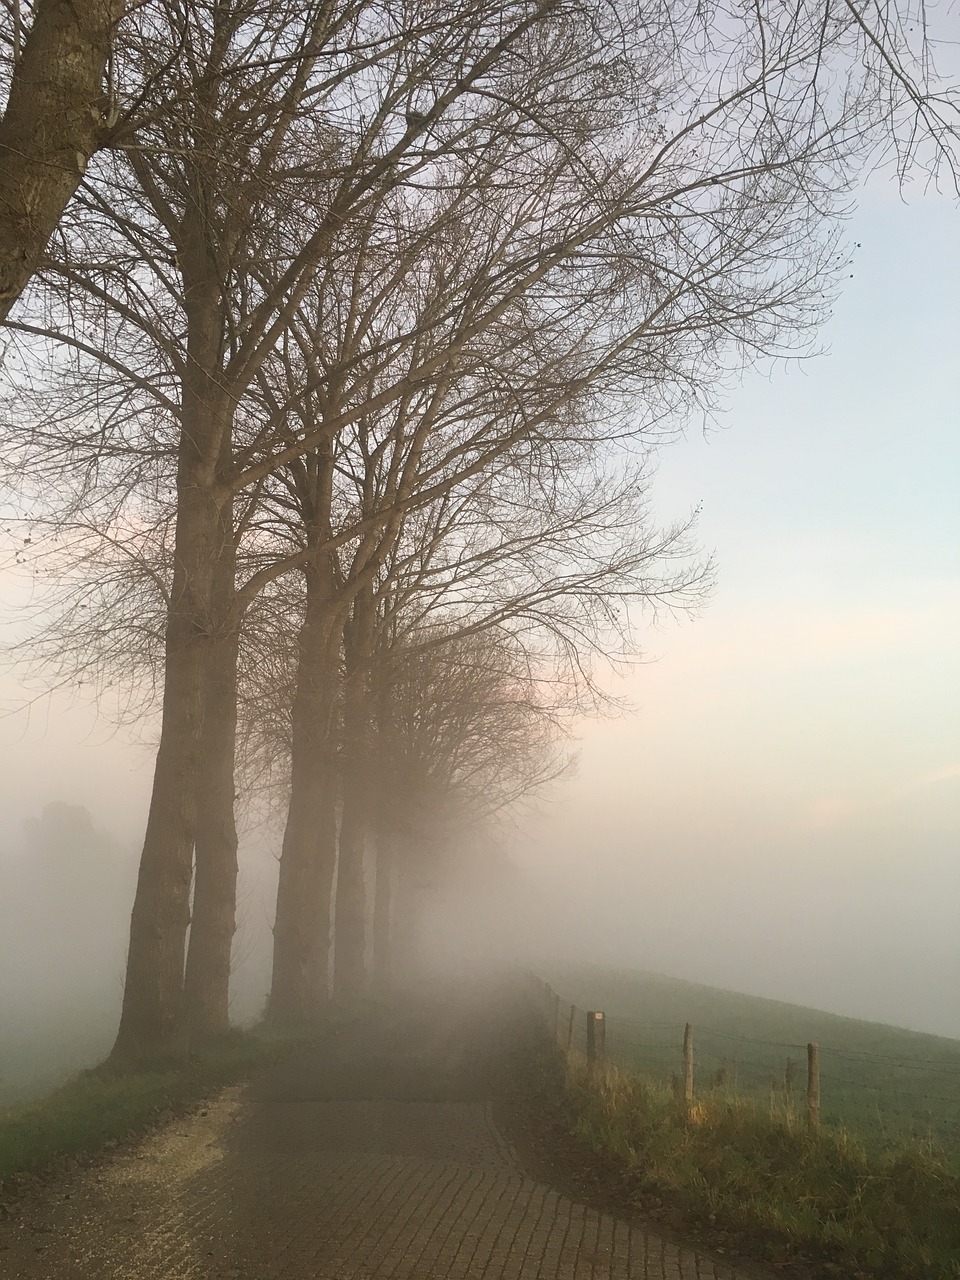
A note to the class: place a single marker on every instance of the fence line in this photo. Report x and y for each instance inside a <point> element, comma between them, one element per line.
<point>883,1109</point>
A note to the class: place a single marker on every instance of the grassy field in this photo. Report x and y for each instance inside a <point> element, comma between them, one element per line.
<point>813,1202</point>
<point>37,1056</point>
<point>99,1107</point>
<point>884,1083</point>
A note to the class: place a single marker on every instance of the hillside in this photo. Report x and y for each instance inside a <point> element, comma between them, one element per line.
<point>886,1082</point>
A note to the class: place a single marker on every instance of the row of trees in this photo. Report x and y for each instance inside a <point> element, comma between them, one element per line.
<point>331,404</point>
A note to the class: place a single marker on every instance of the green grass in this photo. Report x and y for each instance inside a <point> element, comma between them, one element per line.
<point>100,1107</point>
<point>774,1189</point>
<point>886,1083</point>
<point>37,1056</point>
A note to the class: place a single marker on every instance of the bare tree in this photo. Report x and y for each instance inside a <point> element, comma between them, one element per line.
<point>468,727</point>
<point>555,551</point>
<point>540,222</point>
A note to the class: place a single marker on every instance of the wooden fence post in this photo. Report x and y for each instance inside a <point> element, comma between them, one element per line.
<point>813,1085</point>
<point>596,1040</point>
<point>556,1018</point>
<point>573,1015</point>
<point>688,1066</point>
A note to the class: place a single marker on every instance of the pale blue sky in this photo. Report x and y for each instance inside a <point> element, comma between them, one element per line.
<point>783,812</point>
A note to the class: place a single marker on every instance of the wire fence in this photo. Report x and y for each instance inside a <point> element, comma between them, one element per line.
<point>884,1099</point>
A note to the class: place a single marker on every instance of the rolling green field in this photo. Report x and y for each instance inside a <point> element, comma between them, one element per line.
<point>37,1057</point>
<point>884,1083</point>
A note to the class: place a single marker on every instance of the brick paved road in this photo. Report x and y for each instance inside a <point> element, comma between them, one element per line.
<point>372,1158</point>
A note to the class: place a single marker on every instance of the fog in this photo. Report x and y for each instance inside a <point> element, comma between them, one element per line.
<point>843,914</point>
<point>778,811</point>
<point>66,889</point>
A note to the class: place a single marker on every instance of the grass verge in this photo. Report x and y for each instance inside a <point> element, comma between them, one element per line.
<point>100,1108</point>
<point>733,1170</point>
<point>885,1083</point>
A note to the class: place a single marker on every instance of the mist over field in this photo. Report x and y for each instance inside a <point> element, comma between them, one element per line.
<point>777,812</point>
<point>66,890</point>
<point>66,886</point>
<point>857,921</point>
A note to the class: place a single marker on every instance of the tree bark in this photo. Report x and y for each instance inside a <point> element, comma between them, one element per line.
<point>213,923</point>
<point>151,1017</point>
<point>408,906</point>
<point>52,125</point>
<point>350,930</point>
<point>383,905</point>
<point>389,801</point>
<point>301,934</point>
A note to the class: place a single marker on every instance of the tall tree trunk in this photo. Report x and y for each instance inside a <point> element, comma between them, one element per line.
<point>408,905</point>
<point>301,934</point>
<point>50,128</point>
<point>388,801</point>
<point>350,930</point>
<point>383,904</point>
<point>151,1017</point>
<point>213,924</point>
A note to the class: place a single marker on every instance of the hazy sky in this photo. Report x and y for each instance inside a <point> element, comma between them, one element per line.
<point>782,813</point>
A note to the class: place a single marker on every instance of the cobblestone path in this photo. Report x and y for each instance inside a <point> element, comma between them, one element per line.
<point>374,1157</point>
